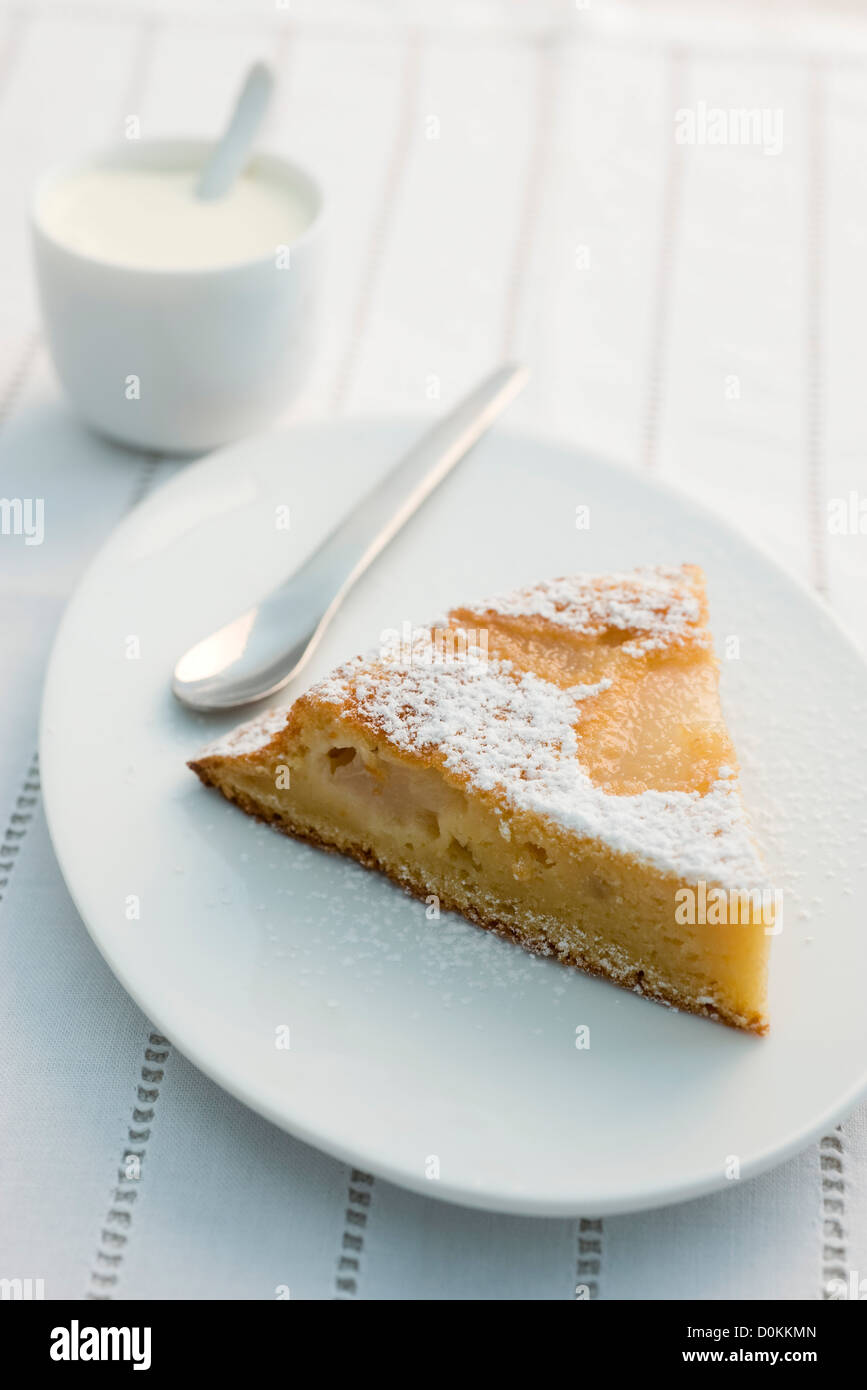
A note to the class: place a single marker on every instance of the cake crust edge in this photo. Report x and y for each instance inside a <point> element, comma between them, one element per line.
<point>207,769</point>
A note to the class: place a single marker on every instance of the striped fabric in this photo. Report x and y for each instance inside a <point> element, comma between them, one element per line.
<point>502,178</point>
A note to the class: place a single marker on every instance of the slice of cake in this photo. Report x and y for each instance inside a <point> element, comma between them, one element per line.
<point>552,763</point>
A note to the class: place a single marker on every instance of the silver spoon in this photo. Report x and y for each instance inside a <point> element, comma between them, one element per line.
<point>264,648</point>
<point>232,150</point>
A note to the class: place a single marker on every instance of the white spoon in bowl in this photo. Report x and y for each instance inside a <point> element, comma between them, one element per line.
<point>232,151</point>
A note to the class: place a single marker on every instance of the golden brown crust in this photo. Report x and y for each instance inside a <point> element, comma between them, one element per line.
<point>635,980</point>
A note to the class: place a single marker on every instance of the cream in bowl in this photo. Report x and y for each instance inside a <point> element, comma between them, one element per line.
<point>151,219</point>
<point>177,323</point>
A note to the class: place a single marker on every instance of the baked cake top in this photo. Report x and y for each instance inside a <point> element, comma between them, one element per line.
<point>655,607</point>
<point>590,701</point>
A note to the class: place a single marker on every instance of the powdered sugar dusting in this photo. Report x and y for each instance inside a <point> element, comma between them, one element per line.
<point>247,738</point>
<point>657,604</point>
<point>518,736</point>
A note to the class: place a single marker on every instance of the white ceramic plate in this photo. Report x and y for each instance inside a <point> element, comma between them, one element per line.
<point>419,1047</point>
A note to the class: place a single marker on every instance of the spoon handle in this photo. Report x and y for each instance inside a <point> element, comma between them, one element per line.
<point>357,540</point>
<point>232,150</point>
<point>260,652</point>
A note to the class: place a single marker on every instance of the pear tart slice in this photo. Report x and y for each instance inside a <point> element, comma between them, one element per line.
<point>553,764</point>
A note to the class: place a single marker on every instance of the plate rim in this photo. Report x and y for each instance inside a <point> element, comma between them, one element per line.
<point>246,1092</point>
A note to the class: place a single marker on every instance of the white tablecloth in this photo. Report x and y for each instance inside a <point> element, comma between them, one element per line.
<point>501,178</point>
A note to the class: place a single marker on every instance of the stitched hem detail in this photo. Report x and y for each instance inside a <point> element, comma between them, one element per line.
<point>359,1198</point>
<point>114,1236</point>
<point>588,1263</point>
<point>832,1155</point>
<point>19,823</point>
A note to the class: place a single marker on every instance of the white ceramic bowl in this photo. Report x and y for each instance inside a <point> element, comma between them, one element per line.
<point>178,360</point>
